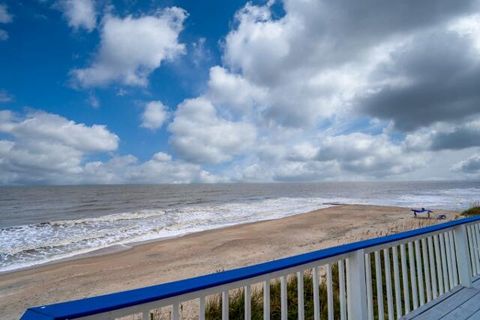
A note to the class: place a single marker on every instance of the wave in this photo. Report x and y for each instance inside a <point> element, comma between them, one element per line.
<point>32,244</point>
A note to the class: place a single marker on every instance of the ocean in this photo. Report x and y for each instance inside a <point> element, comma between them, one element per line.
<point>47,223</point>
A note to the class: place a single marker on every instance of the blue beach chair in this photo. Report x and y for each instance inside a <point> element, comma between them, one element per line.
<point>423,210</point>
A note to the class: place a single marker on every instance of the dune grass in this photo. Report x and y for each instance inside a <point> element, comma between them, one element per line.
<point>473,210</point>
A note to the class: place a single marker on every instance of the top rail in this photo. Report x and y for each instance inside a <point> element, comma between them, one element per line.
<point>110,302</point>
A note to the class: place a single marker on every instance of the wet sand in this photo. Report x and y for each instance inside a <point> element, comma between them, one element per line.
<point>196,254</point>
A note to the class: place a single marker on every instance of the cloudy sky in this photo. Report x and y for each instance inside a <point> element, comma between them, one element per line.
<point>165,91</point>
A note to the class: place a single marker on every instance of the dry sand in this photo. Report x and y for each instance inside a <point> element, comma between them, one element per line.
<point>197,254</point>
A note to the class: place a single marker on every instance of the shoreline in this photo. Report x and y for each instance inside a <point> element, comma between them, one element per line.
<point>119,247</point>
<point>194,254</point>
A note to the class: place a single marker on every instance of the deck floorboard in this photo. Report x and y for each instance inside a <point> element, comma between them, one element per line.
<point>461,305</point>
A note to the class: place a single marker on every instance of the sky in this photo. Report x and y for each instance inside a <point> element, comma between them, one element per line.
<point>107,92</point>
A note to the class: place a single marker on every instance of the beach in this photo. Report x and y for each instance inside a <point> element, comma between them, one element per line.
<point>155,262</point>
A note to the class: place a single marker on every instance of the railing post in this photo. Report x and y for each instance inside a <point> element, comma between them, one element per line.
<point>463,255</point>
<point>357,289</point>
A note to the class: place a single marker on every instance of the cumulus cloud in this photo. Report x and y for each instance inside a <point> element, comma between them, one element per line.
<point>445,136</point>
<point>133,47</point>
<point>43,147</point>
<point>433,87</point>
<point>79,13</point>
<point>374,155</point>
<point>154,115</point>
<point>159,169</point>
<point>200,135</point>
<point>469,166</point>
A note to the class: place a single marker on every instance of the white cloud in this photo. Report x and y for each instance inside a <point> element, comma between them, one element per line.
<point>3,35</point>
<point>79,13</point>
<point>200,135</point>
<point>133,47</point>
<point>43,147</point>
<point>4,96</point>
<point>469,166</point>
<point>154,115</point>
<point>5,17</point>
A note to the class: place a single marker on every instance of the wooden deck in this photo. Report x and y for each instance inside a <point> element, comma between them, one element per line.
<point>461,304</point>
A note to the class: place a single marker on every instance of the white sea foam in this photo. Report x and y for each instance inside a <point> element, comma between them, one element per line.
<point>32,244</point>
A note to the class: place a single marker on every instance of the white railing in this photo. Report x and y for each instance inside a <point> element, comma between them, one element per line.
<point>381,278</point>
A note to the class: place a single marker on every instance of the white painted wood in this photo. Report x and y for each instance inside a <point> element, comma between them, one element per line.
<point>439,265</point>
<point>201,311</point>
<point>462,252</point>
<point>454,258</point>
<point>283,298</point>
<point>418,261</point>
<point>388,283</point>
<point>248,302</point>
<point>348,284</point>
<point>406,290</point>
<point>175,311</point>
<point>470,249</point>
<point>396,282</point>
<point>316,295</point>
<point>341,282</point>
<point>378,281</point>
<point>225,305</point>
<point>475,247</point>
<point>301,304</point>
<point>266,300</point>
<point>330,305</point>
<point>357,300</point>
<point>413,275</point>
<point>449,260</point>
<point>433,271</point>
<point>146,315</point>
<point>446,283</point>
<point>368,275</point>
<point>426,269</point>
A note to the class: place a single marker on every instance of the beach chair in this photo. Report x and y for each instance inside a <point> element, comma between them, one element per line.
<point>423,210</point>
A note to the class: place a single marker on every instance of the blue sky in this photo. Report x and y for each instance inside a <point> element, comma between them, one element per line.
<point>100,91</point>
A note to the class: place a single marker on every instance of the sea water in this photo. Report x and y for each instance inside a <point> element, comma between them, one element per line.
<point>43,224</point>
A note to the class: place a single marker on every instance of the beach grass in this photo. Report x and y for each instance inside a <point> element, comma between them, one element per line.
<point>473,210</point>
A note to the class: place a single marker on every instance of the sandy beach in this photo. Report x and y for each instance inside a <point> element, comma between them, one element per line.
<point>197,254</point>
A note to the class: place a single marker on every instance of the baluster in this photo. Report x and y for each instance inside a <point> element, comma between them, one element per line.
<point>444,262</point>
<point>175,311</point>
<point>283,298</point>
<point>396,281</point>
<point>418,260</point>
<point>426,269</point>
<point>316,296</point>
<point>439,264</point>
<point>341,281</point>
<point>201,311</point>
<point>433,272</point>
<point>248,302</point>
<point>454,259</point>
<point>449,260</point>
<point>378,280</point>
<point>388,282</point>
<point>413,276</point>
<point>330,292</point>
<point>266,300</point>
<point>406,290</point>
<point>225,305</point>
<point>368,273</point>
<point>301,306</point>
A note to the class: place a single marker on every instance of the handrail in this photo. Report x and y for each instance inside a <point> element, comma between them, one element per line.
<point>125,299</point>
